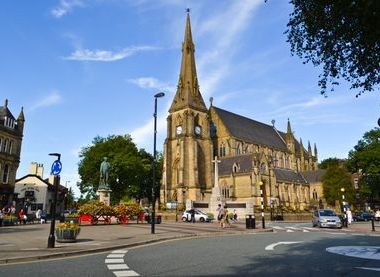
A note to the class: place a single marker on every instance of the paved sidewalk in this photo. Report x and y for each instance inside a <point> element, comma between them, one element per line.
<point>29,242</point>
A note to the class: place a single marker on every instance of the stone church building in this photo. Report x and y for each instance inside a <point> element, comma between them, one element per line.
<point>247,153</point>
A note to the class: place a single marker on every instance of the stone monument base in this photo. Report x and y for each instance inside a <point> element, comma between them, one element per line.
<point>104,196</point>
<point>215,199</point>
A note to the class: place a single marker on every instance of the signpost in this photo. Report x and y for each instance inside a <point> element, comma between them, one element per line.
<point>56,168</point>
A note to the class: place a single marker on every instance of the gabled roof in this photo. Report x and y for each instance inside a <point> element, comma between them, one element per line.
<point>4,111</point>
<point>244,162</point>
<point>46,181</point>
<point>250,130</point>
<point>289,176</point>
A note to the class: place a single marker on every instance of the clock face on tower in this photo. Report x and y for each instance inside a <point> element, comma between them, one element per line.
<point>197,130</point>
<point>179,130</point>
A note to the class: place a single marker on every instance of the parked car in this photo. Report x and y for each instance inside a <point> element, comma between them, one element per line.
<point>362,216</point>
<point>199,216</point>
<point>326,218</point>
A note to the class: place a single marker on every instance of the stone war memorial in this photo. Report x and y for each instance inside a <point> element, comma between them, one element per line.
<point>213,156</point>
<point>104,190</point>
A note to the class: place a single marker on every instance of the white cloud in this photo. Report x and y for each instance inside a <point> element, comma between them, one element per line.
<point>151,83</point>
<point>105,55</point>
<point>65,6</point>
<point>224,28</point>
<point>53,98</point>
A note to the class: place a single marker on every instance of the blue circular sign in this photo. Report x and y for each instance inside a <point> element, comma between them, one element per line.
<point>56,168</point>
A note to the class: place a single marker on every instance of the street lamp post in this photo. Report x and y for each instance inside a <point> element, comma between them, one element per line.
<point>51,239</point>
<point>158,95</point>
<point>344,208</point>
<point>262,204</point>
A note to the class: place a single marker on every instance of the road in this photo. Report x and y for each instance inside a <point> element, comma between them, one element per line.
<point>283,253</point>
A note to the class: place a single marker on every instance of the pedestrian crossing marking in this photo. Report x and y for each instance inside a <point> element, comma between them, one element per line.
<point>115,262</point>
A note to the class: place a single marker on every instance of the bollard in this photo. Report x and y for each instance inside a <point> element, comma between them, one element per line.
<point>373,225</point>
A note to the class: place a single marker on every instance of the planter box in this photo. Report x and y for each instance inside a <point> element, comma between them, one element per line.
<point>67,235</point>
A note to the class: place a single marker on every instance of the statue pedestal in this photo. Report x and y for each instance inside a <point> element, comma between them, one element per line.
<point>215,199</point>
<point>104,196</point>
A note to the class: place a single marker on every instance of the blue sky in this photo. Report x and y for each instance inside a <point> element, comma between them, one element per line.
<point>84,68</point>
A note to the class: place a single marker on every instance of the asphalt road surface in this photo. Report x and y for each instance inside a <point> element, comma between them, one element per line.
<point>320,253</point>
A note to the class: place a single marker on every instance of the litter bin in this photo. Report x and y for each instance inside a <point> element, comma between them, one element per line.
<point>250,222</point>
<point>158,219</point>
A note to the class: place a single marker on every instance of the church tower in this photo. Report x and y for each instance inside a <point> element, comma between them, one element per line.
<point>289,138</point>
<point>188,146</point>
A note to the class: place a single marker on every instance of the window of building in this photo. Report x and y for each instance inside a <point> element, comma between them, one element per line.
<point>315,195</point>
<point>227,192</point>
<point>222,150</point>
<point>4,145</point>
<point>10,147</point>
<point>6,174</point>
<point>238,152</point>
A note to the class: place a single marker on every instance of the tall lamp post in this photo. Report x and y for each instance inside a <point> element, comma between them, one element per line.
<point>55,170</point>
<point>344,208</point>
<point>262,204</point>
<point>158,95</point>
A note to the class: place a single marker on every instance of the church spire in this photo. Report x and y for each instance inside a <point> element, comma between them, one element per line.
<point>315,151</point>
<point>289,130</point>
<point>188,94</point>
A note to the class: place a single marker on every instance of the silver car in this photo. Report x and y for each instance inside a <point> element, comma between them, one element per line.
<point>198,215</point>
<point>326,218</point>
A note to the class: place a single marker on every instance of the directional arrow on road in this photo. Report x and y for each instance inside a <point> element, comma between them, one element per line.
<point>273,245</point>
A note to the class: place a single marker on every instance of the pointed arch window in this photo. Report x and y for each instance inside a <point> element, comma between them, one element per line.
<point>238,151</point>
<point>222,149</point>
<point>6,174</point>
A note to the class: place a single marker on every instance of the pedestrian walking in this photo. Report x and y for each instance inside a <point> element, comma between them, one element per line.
<point>43,216</point>
<point>218,211</point>
<point>349,217</point>
<point>38,214</point>
<point>192,214</point>
<point>234,216</point>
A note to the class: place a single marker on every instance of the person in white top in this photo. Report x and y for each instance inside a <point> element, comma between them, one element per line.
<point>349,217</point>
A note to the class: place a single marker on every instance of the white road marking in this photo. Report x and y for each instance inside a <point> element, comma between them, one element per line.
<point>273,245</point>
<point>114,261</point>
<point>125,273</point>
<point>278,228</point>
<point>305,231</point>
<point>116,264</point>
<point>115,256</point>
<point>364,252</point>
<point>289,231</point>
<point>370,268</point>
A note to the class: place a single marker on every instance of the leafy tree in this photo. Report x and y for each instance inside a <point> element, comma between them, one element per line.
<point>341,36</point>
<point>331,162</point>
<point>335,178</point>
<point>130,174</point>
<point>365,159</point>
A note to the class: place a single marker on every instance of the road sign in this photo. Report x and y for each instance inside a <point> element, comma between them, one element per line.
<point>56,168</point>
